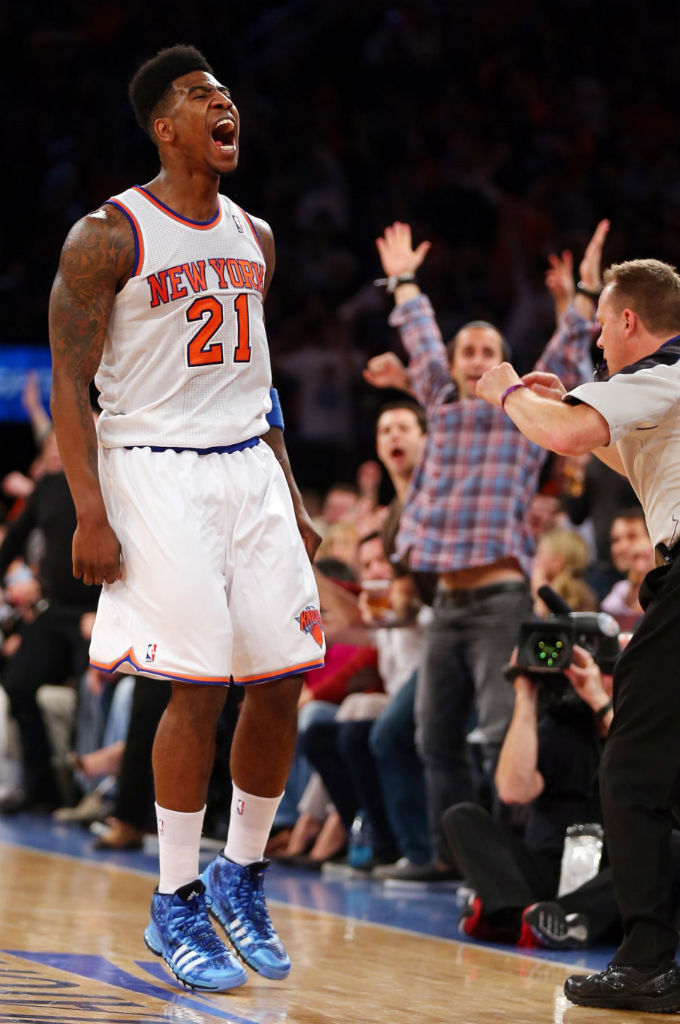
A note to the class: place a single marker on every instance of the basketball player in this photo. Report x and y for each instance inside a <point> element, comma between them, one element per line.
<point>194,526</point>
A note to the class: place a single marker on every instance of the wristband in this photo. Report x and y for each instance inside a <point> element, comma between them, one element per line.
<point>509,391</point>
<point>275,417</point>
<point>601,712</point>
<point>592,295</point>
<point>392,282</point>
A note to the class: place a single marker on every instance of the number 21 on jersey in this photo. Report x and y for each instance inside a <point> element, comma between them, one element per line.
<point>204,349</point>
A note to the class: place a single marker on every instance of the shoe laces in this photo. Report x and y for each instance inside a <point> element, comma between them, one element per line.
<point>192,917</point>
<point>249,893</point>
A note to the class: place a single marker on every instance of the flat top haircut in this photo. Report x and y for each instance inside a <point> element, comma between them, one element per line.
<point>652,290</point>
<point>152,81</point>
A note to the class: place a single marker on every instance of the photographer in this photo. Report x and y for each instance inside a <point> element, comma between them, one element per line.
<point>548,763</point>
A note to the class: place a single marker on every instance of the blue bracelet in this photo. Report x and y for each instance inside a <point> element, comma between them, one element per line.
<point>275,417</point>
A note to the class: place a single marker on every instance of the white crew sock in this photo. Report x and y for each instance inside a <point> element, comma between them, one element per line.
<point>179,841</point>
<point>250,823</point>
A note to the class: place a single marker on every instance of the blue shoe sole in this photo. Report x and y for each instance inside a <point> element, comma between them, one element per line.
<point>153,944</point>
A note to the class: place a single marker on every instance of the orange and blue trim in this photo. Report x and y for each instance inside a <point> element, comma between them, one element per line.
<point>200,225</point>
<point>252,228</point>
<point>129,658</point>
<point>269,677</point>
<point>136,233</point>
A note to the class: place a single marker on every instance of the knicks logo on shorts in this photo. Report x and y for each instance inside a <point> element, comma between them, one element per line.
<point>310,622</point>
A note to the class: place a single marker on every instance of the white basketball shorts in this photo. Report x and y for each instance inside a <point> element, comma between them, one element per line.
<point>216,583</point>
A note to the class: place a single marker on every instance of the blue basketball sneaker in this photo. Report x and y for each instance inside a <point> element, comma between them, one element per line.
<point>237,901</point>
<point>181,932</point>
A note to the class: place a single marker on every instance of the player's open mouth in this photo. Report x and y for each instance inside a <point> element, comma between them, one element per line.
<point>224,135</point>
<point>397,453</point>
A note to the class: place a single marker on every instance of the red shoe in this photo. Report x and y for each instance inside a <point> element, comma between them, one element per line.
<point>472,920</point>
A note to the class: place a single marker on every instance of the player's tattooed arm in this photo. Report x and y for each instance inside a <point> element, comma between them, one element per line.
<point>266,238</point>
<point>96,260</point>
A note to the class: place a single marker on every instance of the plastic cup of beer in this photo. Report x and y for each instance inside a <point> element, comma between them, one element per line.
<point>377,596</point>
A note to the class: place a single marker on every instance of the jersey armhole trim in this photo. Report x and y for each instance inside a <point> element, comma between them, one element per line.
<point>136,234</point>
<point>255,234</point>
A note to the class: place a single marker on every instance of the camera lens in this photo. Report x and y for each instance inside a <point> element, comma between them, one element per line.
<point>549,650</point>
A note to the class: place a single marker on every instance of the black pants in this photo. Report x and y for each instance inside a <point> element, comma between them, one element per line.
<point>505,873</point>
<point>52,650</point>
<point>640,774</point>
<point>135,801</point>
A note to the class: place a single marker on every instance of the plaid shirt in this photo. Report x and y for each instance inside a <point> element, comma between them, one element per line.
<point>468,498</point>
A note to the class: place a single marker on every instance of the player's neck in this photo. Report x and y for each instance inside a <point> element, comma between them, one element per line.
<point>193,196</point>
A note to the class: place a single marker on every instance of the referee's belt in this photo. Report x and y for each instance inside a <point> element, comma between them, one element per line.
<point>663,555</point>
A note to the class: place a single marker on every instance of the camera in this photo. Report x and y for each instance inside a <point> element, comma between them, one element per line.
<point>545,646</point>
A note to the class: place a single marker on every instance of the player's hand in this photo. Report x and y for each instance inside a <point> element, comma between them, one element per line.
<point>495,381</point>
<point>547,385</point>
<point>311,538</point>
<point>590,267</point>
<point>387,371</point>
<point>396,251</point>
<point>96,553</point>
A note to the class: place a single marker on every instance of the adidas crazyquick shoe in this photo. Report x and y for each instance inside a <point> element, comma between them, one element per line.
<point>237,901</point>
<point>548,925</point>
<point>181,932</point>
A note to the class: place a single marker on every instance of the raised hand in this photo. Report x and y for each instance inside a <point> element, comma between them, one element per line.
<point>396,251</point>
<point>387,371</point>
<point>559,279</point>
<point>590,267</point>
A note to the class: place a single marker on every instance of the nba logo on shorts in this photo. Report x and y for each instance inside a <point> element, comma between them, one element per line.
<point>238,222</point>
<point>150,652</point>
<point>240,806</point>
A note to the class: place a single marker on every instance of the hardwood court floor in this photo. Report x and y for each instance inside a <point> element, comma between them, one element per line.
<point>72,951</point>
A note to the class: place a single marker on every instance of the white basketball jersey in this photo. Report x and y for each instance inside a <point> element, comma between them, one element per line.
<point>185,360</point>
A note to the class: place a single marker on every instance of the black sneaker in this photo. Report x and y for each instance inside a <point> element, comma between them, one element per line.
<point>547,926</point>
<point>405,873</point>
<point>623,987</point>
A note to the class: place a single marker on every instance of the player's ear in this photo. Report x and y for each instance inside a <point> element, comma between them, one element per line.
<point>164,129</point>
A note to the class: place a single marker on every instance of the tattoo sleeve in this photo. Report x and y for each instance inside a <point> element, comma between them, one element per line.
<point>95,258</point>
